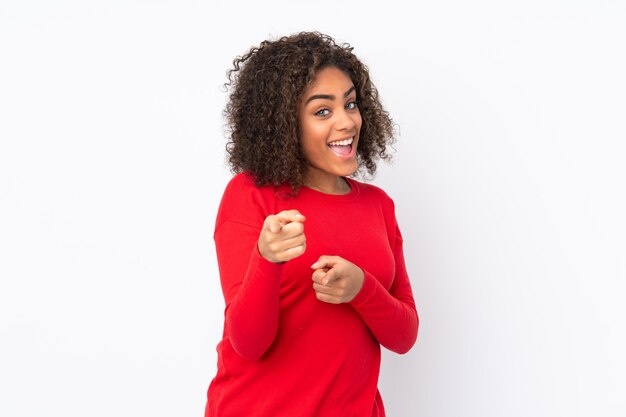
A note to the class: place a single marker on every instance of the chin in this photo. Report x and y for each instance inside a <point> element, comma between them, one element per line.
<point>349,172</point>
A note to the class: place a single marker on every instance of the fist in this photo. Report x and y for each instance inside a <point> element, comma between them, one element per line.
<point>336,280</point>
<point>282,236</point>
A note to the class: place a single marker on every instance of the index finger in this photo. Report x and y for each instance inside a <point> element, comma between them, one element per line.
<point>326,261</point>
<point>288,216</point>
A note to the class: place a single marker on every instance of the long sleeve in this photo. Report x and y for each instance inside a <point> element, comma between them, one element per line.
<point>250,283</point>
<point>269,360</point>
<point>390,315</point>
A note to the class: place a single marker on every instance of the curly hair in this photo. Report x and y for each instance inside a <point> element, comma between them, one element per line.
<point>266,85</point>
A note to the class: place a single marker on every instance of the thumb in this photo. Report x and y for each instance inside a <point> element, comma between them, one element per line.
<point>274,224</point>
<point>330,276</point>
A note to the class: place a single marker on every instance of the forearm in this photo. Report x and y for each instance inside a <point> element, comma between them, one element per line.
<point>393,320</point>
<point>251,286</point>
<point>252,315</point>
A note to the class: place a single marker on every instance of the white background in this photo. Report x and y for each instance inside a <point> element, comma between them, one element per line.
<point>509,181</point>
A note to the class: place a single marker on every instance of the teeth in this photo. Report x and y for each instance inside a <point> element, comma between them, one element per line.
<point>344,142</point>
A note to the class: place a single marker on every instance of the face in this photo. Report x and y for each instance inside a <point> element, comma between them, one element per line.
<point>330,123</point>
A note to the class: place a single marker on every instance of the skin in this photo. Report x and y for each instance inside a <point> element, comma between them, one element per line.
<point>327,112</point>
<point>282,236</point>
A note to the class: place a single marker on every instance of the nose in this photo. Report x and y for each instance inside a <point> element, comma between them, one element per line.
<point>346,120</point>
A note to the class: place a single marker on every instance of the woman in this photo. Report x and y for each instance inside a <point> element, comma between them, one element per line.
<point>310,260</point>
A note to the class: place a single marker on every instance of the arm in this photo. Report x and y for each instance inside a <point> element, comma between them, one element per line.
<point>250,284</point>
<point>250,261</point>
<point>390,315</point>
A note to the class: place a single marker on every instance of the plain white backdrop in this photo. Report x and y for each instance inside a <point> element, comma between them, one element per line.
<point>509,181</point>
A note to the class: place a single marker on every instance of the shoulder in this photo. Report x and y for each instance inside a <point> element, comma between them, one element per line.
<point>242,185</point>
<point>242,180</point>
<point>374,194</point>
<point>244,202</point>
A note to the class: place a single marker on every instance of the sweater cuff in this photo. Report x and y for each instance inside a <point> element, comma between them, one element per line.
<point>261,265</point>
<point>367,290</point>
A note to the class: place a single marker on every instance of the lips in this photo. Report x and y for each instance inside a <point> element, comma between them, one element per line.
<point>342,147</point>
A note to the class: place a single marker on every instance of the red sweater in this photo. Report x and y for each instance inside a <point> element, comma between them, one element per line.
<point>285,353</point>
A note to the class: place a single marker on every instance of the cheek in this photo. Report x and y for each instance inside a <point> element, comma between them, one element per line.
<point>319,131</point>
<point>313,149</point>
<point>311,144</point>
<point>358,120</point>
<point>314,136</point>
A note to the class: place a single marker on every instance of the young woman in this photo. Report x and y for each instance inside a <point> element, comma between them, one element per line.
<point>310,259</point>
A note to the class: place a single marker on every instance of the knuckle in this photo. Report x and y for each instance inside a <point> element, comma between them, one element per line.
<point>288,213</point>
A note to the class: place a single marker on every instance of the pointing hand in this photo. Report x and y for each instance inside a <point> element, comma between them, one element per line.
<point>336,280</point>
<point>282,237</point>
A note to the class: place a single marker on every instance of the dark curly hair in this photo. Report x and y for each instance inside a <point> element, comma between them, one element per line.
<point>266,85</point>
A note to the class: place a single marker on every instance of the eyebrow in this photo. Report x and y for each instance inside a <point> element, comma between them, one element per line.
<point>328,96</point>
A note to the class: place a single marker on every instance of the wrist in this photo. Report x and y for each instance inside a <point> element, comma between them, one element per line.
<point>258,247</point>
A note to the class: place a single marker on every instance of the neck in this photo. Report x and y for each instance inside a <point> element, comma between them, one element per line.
<point>328,184</point>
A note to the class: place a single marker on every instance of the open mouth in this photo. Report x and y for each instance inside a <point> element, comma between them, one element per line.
<point>342,147</point>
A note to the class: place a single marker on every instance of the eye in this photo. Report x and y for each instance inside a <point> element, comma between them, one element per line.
<point>322,112</point>
<point>352,105</point>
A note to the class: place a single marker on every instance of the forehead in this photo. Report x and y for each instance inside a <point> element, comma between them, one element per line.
<point>327,79</point>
